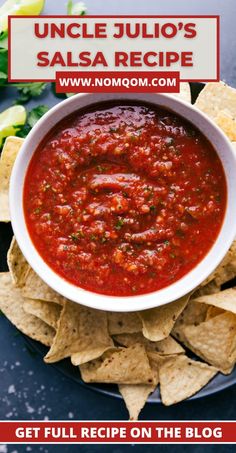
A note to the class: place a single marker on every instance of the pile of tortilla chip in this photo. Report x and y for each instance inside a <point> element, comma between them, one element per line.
<point>136,351</point>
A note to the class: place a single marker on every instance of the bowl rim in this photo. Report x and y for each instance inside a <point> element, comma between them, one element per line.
<point>176,290</point>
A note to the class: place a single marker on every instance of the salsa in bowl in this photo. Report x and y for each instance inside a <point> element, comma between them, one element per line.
<point>124,204</point>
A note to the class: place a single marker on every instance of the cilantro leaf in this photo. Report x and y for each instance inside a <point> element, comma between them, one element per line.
<point>3,75</point>
<point>33,116</point>
<point>3,65</point>
<point>3,39</point>
<point>36,113</point>
<point>29,90</point>
<point>3,35</point>
<point>23,132</point>
<point>76,9</point>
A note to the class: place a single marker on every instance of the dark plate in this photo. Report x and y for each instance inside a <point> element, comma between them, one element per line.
<point>217,384</point>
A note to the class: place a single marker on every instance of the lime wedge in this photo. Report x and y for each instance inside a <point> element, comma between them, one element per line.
<point>17,8</point>
<point>10,119</point>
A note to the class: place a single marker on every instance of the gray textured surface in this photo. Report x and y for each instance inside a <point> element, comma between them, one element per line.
<point>29,389</point>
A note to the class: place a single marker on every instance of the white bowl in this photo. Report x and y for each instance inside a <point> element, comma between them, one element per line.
<point>133,303</point>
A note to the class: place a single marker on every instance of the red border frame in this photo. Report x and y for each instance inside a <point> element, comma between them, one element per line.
<point>56,16</point>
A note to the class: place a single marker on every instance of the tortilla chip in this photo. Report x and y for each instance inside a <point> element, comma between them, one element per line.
<point>49,312</point>
<point>120,366</point>
<point>215,98</point>
<point>10,150</point>
<point>135,397</point>
<point>158,322</point>
<point>35,288</point>
<point>212,312</point>
<point>17,264</point>
<point>181,377</point>
<point>227,124</point>
<point>11,304</point>
<point>227,268</point>
<point>23,276</point>
<point>214,341</point>
<point>185,92</point>
<point>123,323</point>
<point>156,360</point>
<point>225,300</point>
<point>82,333</point>
<point>165,347</point>
<point>194,314</point>
<point>210,288</point>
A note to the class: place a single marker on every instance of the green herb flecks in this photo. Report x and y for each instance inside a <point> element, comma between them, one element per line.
<point>119,224</point>
<point>77,236</point>
<point>152,208</point>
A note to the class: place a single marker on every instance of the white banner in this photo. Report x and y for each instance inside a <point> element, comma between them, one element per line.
<point>40,46</point>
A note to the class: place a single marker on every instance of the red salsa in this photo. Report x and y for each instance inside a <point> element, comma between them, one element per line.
<point>124,199</point>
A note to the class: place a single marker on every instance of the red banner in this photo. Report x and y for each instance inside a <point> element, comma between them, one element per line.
<point>79,432</point>
<point>117,82</point>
